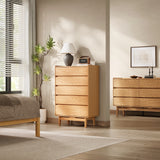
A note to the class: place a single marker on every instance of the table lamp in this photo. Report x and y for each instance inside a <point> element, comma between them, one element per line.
<point>68,49</point>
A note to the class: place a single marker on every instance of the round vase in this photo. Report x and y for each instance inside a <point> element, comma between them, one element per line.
<point>68,59</point>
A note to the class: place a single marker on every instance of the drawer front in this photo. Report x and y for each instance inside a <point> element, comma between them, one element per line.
<point>126,102</point>
<point>71,110</point>
<point>126,92</point>
<point>72,90</point>
<point>71,80</point>
<point>137,102</point>
<point>136,93</point>
<point>78,100</point>
<point>149,93</point>
<point>128,83</point>
<point>136,83</point>
<point>149,83</point>
<point>62,71</point>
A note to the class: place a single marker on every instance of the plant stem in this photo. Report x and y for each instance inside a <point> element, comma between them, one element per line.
<point>40,91</point>
<point>41,78</point>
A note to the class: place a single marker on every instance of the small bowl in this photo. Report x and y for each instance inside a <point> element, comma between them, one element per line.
<point>134,76</point>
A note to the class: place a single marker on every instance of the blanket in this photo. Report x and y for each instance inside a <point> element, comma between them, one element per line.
<point>17,107</point>
<point>8,100</point>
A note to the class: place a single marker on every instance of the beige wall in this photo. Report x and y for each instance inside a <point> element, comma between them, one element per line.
<point>132,23</point>
<point>84,23</point>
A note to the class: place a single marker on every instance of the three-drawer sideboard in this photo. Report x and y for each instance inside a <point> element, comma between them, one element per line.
<point>136,94</point>
<point>77,93</point>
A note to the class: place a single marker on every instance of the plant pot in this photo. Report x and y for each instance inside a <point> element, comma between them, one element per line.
<point>43,115</point>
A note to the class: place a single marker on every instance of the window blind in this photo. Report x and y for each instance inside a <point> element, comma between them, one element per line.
<point>2,37</point>
<point>12,38</point>
<point>12,41</point>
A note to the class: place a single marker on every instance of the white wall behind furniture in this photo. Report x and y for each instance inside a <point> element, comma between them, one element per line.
<point>132,23</point>
<point>84,23</point>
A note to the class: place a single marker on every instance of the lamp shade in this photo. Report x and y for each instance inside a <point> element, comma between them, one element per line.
<point>68,48</point>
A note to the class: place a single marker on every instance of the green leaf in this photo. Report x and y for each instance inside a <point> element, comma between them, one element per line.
<point>35,92</point>
<point>46,78</point>
<point>35,58</point>
<point>50,43</point>
<point>37,70</point>
<point>39,49</point>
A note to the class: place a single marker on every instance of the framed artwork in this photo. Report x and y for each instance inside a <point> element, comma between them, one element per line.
<point>143,56</point>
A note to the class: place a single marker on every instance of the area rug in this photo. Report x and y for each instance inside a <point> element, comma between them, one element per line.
<point>20,144</point>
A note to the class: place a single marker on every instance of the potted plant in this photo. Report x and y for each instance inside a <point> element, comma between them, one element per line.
<point>38,59</point>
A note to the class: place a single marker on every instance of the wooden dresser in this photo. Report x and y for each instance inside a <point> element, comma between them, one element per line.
<point>77,93</point>
<point>136,94</point>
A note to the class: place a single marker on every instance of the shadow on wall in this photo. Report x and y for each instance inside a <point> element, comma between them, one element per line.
<point>83,23</point>
<point>90,12</point>
<point>131,21</point>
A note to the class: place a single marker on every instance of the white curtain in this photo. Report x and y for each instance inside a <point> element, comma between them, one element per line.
<point>29,10</point>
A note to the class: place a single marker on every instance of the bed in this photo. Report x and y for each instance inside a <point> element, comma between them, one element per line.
<point>19,109</point>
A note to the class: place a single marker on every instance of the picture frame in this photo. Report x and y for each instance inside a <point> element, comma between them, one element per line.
<point>143,56</point>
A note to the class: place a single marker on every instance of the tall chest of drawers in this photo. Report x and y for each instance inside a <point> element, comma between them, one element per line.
<point>77,93</point>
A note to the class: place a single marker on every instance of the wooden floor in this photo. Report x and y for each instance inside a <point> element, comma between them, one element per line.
<point>143,134</point>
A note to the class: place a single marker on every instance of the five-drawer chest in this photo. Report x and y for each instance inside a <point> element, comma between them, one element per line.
<point>77,93</point>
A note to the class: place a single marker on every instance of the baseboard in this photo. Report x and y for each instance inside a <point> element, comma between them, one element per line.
<point>52,120</point>
<point>105,124</point>
<point>112,111</point>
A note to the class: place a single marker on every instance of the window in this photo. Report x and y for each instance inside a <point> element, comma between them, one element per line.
<point>11,46</point>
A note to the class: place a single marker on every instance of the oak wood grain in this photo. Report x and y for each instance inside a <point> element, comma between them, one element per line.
<point>37,120</point>
<point>77,86</point>
<point>71,90</point>
<point>71,110</point>
<point>77,81</point>
<point>136,94</point>
<point>130,92</point>
<point>79,100</point>
<point>74,70</point>
<point>136,83</point>
<point>137,102</point>
<point>93,93</point>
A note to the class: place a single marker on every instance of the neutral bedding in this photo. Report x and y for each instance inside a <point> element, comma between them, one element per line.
<point>17,108</point>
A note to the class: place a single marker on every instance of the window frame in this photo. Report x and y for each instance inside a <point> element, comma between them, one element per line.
<point>9,45</point>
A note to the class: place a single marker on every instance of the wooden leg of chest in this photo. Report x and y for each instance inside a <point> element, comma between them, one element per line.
<point>59,121</point>
<point>94,122</point>
<point>123,112</point>
<point>85,123</point>
<point>69,123</point>
<point>117,111</point>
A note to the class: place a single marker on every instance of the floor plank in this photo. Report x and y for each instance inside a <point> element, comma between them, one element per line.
<point>143,140</point>
<point>142,134</point>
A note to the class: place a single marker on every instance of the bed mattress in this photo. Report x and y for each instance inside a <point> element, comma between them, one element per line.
<point>17,107</point>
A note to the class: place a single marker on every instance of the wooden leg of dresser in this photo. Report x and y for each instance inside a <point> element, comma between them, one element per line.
<point>94,121</point>
<point>117,111</point>
<point>68,123</point>
<point>123,112</point>
<point>85,123</point>
<point>59,121</point>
